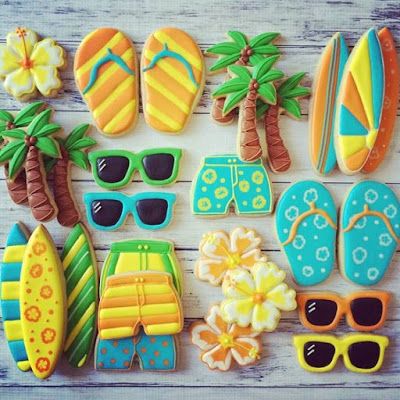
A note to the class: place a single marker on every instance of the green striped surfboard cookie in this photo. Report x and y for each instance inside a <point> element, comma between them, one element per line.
<point>81,276</point>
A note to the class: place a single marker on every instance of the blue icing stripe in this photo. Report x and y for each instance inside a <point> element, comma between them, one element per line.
<point>306,226</point>
<point>10,272</point>
<point>371,227</point>
<point>377,78</point>
<point>349,124</point>
<point>16,236</point>
<point>10,310</point>
<point>18,351</point>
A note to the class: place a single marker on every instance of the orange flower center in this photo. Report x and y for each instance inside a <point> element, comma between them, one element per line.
<point>258,298</point>
<point>226,340</point>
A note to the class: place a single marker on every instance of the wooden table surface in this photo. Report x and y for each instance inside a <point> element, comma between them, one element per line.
<point>305,26</point>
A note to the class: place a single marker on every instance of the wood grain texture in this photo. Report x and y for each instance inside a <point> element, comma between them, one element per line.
<point>306,27</point>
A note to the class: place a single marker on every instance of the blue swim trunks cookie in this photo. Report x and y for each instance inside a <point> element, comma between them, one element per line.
<point>224,179</point>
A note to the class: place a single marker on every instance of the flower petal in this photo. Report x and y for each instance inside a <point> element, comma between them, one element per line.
<point>238,284</point>
<point>283,297</point>
<point>8,61</point>
<point>247,260</point>
<point>265,317</point>
<point>267,276</point>
<point>22,46</point>
<point>19,82</point>
<point>213,271</point>
<point>238,311</point>
<point>47,53</point>
<point>203,336</point>
<point>46,79</point>
<point>244,240</point>
<point>246,350</point>
<point>215,321</point>
<point>237,331</point>
<point>218,358</point>
<point>215,245</point>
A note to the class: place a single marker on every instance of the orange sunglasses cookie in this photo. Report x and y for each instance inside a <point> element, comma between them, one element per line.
<point>173,74</point>
<point>105,71</point>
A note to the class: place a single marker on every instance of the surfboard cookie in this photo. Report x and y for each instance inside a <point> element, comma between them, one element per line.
<point>323,105</point>
<point>80,271</point>
<point>43,303</point>
<point>105,71</point>
<point>173,74</point>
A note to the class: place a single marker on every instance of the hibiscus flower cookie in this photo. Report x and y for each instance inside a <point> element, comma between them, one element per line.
<point>221,252</point>
<point>255,298</point>
<point>222,343</point>
<point>29,66</point>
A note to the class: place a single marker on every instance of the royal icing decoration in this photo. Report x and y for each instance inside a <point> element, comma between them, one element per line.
<point>106,73</point>
<point>172,76</point>
<point>222,343</point>
<point>28,65</point>
<point>255,298</point>
<point>370,230</point>
<point>10,272</point>
<point>114,169</point>
<point>363,353</point>
<point>221,252</point>
<point>360,104</point>
<point>224,179</point>
<point>43,303</point>
<point>322,110</point>
<point>80,271</point>
<point>108,211</point>
<point>390,101</point>
<point>306,224</point>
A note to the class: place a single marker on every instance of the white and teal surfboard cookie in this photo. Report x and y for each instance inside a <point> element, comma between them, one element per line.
<point>306,223</point>
<point>370,230</point>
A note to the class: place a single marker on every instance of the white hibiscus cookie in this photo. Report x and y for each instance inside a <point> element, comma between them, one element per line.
<point>28,65</point>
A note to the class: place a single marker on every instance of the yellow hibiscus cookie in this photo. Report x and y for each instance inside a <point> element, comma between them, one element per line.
<point>29,66</point>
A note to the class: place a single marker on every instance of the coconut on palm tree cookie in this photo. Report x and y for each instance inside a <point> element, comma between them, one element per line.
<point>29,65</point>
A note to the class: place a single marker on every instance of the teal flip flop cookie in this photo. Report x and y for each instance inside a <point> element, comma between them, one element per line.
<point>370,229</point>
<point>306,224</point>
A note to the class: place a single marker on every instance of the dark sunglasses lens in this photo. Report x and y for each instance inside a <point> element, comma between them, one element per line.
<point>112,169</point>
<point>106,212</point>
<point>366,311</point>
<point>159,167</point>
<point>364,355</point>
<point>152,211</point>
<point>318,354</point>
<point>320,312</point>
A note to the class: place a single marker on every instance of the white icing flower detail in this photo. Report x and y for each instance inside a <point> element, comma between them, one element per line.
<point>371,196</point>
<point>359,255</point>
<point>292,213</point>
<point>390,211</point>
<point>308,271</point>
<point>372,273</point>
<point>322,254</point>
<point>385,240</point>
<point>310,196</point>
<point>299,242</point>
<point>320,222</point>
<point>361,223</point>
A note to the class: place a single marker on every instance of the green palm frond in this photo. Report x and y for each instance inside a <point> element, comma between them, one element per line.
<point>263,39</point>
<point>233,100</point>
<point>223,62</point>
<point>263,67</point>
<point>239,38</point>
<point>232,86</point>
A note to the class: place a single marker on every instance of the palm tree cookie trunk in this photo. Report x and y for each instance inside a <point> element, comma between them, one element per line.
<point>278,155</point>
<point>249,142</point>
<point>17,187</point>
<point>40,201</point>
<point>68,214</point>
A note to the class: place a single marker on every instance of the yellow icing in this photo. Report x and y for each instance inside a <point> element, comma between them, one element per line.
<point>10,290</point>
<point>13,330</point>
<point>158,114</point>
<point>14,253</point>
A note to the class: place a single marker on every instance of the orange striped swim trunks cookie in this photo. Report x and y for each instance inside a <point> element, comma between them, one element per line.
<point>140,298</point>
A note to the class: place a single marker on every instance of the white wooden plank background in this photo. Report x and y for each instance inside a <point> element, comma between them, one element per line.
<point>305,26</point>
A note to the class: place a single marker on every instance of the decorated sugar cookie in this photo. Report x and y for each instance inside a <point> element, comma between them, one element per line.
<point>29,65</point>
<point>221,253</point>
<point>43,303</point>
<point>390,101</point>
<point>370,231</point>
<point>323,107</point>
<point>172,79</point>
<point>106,74</point>
<point>222,343</point>
<point>225,179</point>
<point>80,271</point>
<point>10,272</point>
<point>360,104</point>
<point>254,298</point>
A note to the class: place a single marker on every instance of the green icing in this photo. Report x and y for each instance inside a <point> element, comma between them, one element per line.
<point>71,239</point>
<point>263,39</point>
<point>80,347</point>
<point>238,37</point>
<point>26,115</point>
<point>81,262</point>
<point>39,122</point>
